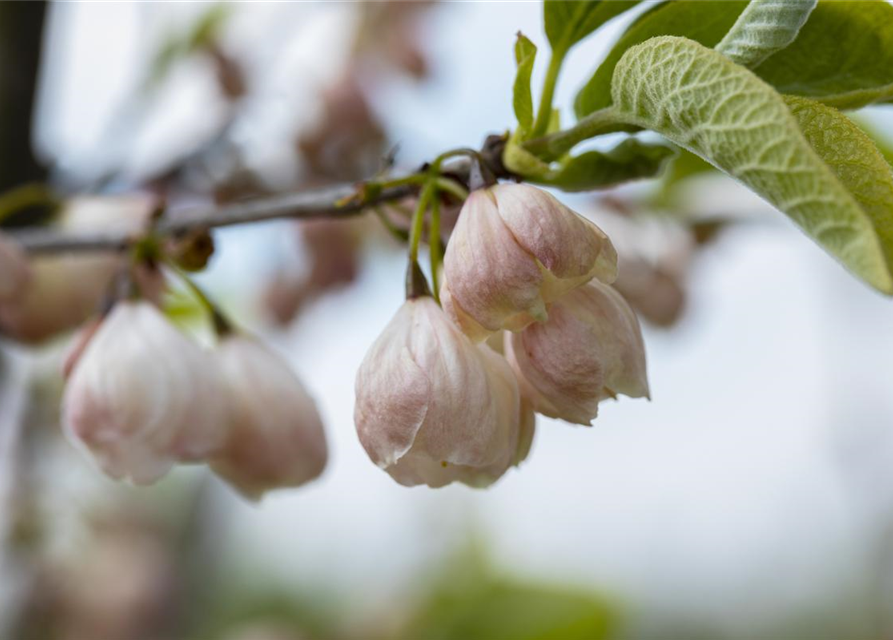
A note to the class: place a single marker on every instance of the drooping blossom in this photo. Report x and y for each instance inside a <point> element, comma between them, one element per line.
<point>275,436</point>
<point>66,289</point>
<point>142,396</point>
<point>590,349</point>
<point>434,408</point>
<point>514,250</point>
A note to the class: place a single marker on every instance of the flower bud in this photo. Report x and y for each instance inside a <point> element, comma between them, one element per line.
<point>14,270</point>
<point>276,436</point>
<point>433,408</point>
<point>515,249</point>
<point>142,396</point>
<point>590,349</point>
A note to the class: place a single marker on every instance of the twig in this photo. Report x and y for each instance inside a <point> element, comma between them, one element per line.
<point>313,203</point>
<point>338,201</point>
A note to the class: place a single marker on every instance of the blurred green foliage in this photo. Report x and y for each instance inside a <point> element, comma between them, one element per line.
<point>201,34</point>
<point>469,600</point>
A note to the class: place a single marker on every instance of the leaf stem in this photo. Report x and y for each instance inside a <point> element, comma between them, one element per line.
<point>452,153</point>
<point>434,247</point>
<point>418,221</point>
<point>555,145</point>
<point>544,113</point>
<point>452,187</point>
<point>399,234</point>
<point>416,285</point>
<point>222,325</point>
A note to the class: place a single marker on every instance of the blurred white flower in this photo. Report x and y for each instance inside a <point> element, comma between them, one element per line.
<point>14,270</point>
<point>65,290</point>
<point>515,249</point>
<point>141,396</point>
<point>590,349</point>
<point>276,436</point>
<point>432,407</point>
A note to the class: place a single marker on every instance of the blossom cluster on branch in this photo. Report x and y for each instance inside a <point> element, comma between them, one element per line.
<point>529,323</point>
<point>523,276</point>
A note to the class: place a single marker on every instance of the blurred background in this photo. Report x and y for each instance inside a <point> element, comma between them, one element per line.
<point>751,498</point>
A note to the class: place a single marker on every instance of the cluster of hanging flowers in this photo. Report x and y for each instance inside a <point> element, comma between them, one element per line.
<point>140,396</point>
<point>529,323</point>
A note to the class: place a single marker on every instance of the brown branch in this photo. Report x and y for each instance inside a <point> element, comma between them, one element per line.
<point>338,201</point>
<point>302,205</point>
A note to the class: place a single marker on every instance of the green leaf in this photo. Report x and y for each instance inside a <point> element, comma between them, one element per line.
<point>569,21</point>
<point>497,608</point>
<point>629,160</point>
<point>815,65</point>
<point>704,102</point>
<point>525,54</point>
<point>200,35</point>
<point>843,56</point>
<point>705,22</point>
<point>765,26</point>
<point>856,161</point>
<point>686,165</point>
<point>880,138</point>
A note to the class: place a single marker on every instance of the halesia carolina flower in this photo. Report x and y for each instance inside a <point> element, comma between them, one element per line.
<point>14,270</point>
<point>276,436</point>
<point>141,396</point>
<point>64,290</point>
<point>433,408</point>
<point>590,349</point>
<point>514,250</point>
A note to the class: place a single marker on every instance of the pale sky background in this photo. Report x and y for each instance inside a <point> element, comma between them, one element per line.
<point>752,490</point>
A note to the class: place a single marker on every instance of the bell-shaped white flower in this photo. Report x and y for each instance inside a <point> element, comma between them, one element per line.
<point>141,396</point>
<point>276,436</point>
<point>432,407</point>
<point>514,250</point>
<point>14,270</point>
<point>590,349</point>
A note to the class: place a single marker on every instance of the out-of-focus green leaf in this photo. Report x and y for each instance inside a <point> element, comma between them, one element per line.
<point>512,611</point>
<point>880,138</point>
<point>200,35</point>
<point>522,100</point>
<point>569,21</point>
<point>842,57</point>
<point>705,22</point>
<point>855,159</point>
<point>685,165</point>
<point>249,611</point>
<point>470,602</point>
<point>704,102</point>
<point>764,27</point>
<point>629,160</point>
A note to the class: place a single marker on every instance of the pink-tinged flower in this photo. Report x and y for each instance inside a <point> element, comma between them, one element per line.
<point>65,290</point>
<point>514,250</point>
<point>14,270</point>
<point>590,349</point>
<point>432,407</point>
<point>276,436</point>
<point>141,396</point>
